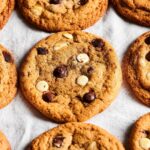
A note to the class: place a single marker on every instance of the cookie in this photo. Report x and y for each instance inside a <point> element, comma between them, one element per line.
<point>75,136</point>
<point>71,76</point>
<point>137,68</point>
<point>62,15</point>
<point>4,144</point>
<point>6,8</point>
<point>137,11</point>
<point>8,77</point>
<point>140,135</point>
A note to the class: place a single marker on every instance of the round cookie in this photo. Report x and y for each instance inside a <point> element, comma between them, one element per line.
<point>71,76</point>
<point>137,11</point>
<point>8,77</point>
<point>140,135</point>
<point>75,136</point>
<point>137,68</point>
<point>62,15</point>
<point>6,8</point>
<point>4,144</point>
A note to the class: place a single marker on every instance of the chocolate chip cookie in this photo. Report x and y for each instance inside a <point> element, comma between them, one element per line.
<point>6,8</point>
<point>62,15</point>
<point>137,11</point>
<point>140,136</point>
<point>75,136</point>
<point>8,77</point>
<point>137,68</point>
<point>4,144</point>
<point>71,76</point>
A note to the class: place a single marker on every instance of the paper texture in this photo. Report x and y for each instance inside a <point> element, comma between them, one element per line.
<point>21,122</point>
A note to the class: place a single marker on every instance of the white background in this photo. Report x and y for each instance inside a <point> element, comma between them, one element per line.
<point>21,122</point>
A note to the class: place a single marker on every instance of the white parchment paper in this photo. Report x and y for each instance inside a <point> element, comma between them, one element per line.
<point>21,122</point>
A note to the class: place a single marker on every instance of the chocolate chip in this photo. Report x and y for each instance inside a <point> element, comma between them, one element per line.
<point>89,97</point>
<point>47,97</point>
<point>54,1</point>
<point>90,70</point>
<point>58,140</point>
<point>83,2</point>
<point>98,43</point>
<point>61,71</point>
<point>7,57</point>
<point>147,40</point>
<point>147,56</point>
<point>42,51</point>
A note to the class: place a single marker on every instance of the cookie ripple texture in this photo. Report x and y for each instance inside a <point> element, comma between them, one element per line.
<point>75,136</point>
<point>6,8</point>
<point>71,79</point>
<point>4,144</point>
<point>62,15</point>
<point>137,11</point>
<point>8,77</point>
<point>137,68</point>
<point>141,130</point>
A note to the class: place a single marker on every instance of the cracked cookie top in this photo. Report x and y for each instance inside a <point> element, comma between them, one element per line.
<point>137,68</point>
<point>71,76</point>
<point>60,15</point>
<point>76,136</point>
<point>134,10</point>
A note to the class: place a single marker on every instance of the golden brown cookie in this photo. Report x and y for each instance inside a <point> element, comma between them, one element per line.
<point>4,144</point>
<point>8,77</point>
<point>6,8</point>
<point>140,136</point>
<point>137,68</point>
<point>62,15</point>
<point>71,76</point>
<point>137,11</point>
<point>76,136</point>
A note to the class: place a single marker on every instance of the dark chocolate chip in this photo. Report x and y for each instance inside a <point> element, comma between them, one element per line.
<point>89,97</point>
<point>7,57</point>
<point>90,70</point>
<point>147,56</point>
<point>83,2</point>
<point>61,71</point>
<point>42,51</point>
<point>147,40</point>
<point>58,140</point>
<point>47,97</point>
<point>98,43</point>
<point>54,1</point>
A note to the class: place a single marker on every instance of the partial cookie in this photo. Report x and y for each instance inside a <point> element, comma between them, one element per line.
<point>140,136</point>
<point>62,15</point>
<point>6,8</point>
<point>137,11</point>
<point>71,76</point>
<point>76,136</point>
<point>8,77</point>
<point>137,68</point>
<point>4,144</point>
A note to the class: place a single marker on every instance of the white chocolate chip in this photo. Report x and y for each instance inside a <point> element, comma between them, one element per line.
<point>148,76</point>
<point>83,58</point>
<point>37,10</point>
<point>92,146</point>
<point>42,86</point>
<point>60,45</point>
<point>145,143</point>
<point>82,80</point>
<point>68,36</point>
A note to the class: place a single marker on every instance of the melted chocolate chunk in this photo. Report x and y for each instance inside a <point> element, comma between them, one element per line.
<point>7,57</point>
<point>89,97</point>
<point>54,1</point>
<point>58,140</point>
<point>147,56</point>
<point>48,97</point>
<point>83,2</point>
<point>61,71</point>
<point>42,51</point>
<point>98,43</point>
